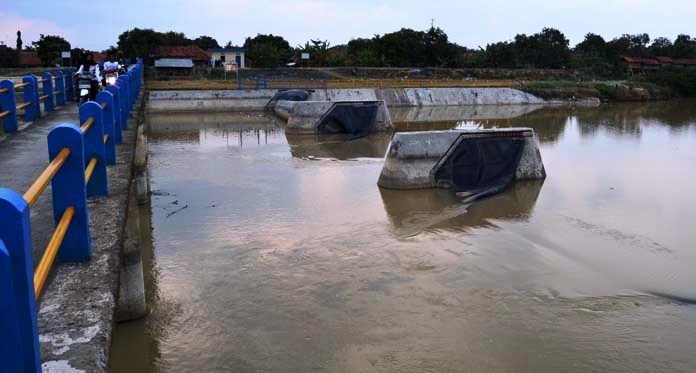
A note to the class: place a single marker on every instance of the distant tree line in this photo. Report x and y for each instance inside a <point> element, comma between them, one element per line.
<point>547,49</point>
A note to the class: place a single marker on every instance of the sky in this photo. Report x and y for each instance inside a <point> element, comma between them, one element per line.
<point>96,24</point>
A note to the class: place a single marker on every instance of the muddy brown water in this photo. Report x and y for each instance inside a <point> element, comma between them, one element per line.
<point>271,253</point>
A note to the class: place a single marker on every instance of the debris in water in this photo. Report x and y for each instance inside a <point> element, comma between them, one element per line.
<point>177,210</point>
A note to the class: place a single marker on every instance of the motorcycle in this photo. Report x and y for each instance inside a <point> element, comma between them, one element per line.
<point>110,76</point>
<point>84,86</point>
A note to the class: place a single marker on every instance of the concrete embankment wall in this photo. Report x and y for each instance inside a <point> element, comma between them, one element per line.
<point>230,100</point>
<point>253,100</point>
<point>406,97</point>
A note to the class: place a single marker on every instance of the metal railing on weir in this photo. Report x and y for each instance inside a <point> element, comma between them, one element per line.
<point>78,157</point>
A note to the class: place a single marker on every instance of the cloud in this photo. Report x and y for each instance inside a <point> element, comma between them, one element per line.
<point>31,29</point>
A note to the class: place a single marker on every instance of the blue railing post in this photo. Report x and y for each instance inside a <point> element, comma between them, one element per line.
<point>68,187</point>
<point>134,90</point>
<point>69,85</point>
<point>11,351</point>
<point>60,89</point>
<point>48,91</point>
<point>118,118</point>
<point>8,101</point>
<point>94,148</point>
<point>31,94</point>
<point>125,98</point>
<point>265,81</point>
<point>108,121</point>
<point>15,232</point>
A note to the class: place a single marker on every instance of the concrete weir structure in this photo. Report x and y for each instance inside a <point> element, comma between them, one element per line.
<point>413,158</point>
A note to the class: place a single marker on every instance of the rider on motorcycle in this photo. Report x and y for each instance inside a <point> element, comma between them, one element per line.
<point>88,64</point>
<point>111,69</point>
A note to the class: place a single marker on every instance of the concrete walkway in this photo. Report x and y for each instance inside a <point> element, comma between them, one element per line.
<point>76,308</point>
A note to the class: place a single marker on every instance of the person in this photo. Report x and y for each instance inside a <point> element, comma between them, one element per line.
<point>89,65</point>
<point>111,66</point>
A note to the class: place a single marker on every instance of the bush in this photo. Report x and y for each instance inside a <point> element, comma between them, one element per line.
<point>679,81</point>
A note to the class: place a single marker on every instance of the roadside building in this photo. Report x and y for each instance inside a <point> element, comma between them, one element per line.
<point>29,59</point>
<point>179,60</point>
<point>638,65</point>
<point>221,56</point>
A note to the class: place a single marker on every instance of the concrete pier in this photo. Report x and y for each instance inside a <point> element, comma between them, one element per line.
<point>413,157</point>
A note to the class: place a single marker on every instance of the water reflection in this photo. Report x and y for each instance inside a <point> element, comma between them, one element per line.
<point>338,146</point>
<point>413,211</point>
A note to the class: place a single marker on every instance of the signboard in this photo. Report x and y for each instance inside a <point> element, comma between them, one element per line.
<point>231,67</point>
<point>65,54</point>
<point>305,56</point>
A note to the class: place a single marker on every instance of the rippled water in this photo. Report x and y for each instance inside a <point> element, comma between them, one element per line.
<point>274,253</point>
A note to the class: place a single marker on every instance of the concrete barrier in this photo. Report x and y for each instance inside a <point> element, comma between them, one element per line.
<point>229,100</point>
<point>303,117</point>
<point>414,157</point>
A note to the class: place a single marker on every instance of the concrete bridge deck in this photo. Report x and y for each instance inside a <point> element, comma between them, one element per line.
<point>76,308</point>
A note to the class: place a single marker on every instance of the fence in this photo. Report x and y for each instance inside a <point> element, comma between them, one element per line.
<point>52,90</point>
<point>78,158</point>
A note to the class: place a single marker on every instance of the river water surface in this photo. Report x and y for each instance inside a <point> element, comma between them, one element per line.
<point>272,253</point>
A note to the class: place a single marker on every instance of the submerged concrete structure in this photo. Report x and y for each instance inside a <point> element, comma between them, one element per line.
<point>413,158</point>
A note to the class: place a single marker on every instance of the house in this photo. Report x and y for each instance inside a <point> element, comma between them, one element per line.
<point>229,55</point>
<point>179,60</point>
<point>29,59</point>
<point>638,65</point>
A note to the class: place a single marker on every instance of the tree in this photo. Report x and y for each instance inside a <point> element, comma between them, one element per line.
<point>8,56</point>
<point>593,45</point>
<point>138,42</point>
<point>546,49</point>
<point>661,47</point>
<point>501,54</point>
<point>362,52</point>
<point>48,48</point>
<point>318,50</point>
<point>268,50</point>
<point>684,47</point>
<point>205,42</point>
<point>437,50</point>
<point>19,47</point>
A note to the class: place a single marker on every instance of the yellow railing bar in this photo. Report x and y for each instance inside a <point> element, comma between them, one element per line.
<point>32,194</point>
<point>103,105</point>
<point>4,114</point>
<point>106,138</point>
<point>20,85</point>
<point>88,123</point>
<point>41,272</point>
<point>23,105</point>
<point>3,90</point>
<point>90,169</point>
<point>41,80</point>
<point>43,97</point>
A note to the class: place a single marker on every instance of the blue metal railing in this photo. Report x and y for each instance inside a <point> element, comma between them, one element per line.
<point>78,156</point>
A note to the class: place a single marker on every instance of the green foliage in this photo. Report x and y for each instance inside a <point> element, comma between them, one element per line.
<point>206,42</point>
<point>268,50</point>
<point>680,81</point>
<point>8,56</point>
<point>143,42</point>
<point>48,48</point>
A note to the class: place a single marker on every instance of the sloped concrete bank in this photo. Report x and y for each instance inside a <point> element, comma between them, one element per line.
<point>254,100</point>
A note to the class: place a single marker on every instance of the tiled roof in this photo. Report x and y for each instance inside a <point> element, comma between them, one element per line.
<point>29,59</point>
<point>186,51</point>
